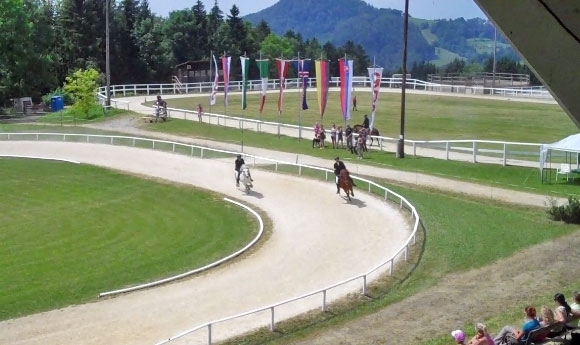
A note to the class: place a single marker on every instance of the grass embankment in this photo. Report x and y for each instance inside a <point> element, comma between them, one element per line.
<point>71,231</point>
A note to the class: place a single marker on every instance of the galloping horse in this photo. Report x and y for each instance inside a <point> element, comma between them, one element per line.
<point>374,132</point>
<point>344,183</point>
<point>245,178</point>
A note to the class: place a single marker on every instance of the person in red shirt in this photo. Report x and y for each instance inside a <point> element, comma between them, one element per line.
<point>199,112</point>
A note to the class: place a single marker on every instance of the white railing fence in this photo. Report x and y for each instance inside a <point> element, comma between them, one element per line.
<point>266,163</point>
<point>359,81</point>
<point>483,151</point>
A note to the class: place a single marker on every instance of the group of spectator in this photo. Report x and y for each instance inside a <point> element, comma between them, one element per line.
<point>356,144</point>
<point>565,317</point>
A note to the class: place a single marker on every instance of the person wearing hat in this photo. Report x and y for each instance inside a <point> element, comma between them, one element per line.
<point>459,336</point>
<point>238,168</point>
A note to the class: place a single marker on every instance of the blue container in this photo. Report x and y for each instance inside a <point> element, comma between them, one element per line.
<point>56,103</point>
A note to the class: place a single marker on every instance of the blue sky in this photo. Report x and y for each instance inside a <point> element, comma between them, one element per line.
<point>425,9</point>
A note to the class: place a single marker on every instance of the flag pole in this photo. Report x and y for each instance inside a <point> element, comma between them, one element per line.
<point>301,86</point>
<point>281,86</point>
<point>261,89</point>
<point>226,89</point>
<point>244,98</point>
<point>211,80</point>
<point>346,93</point>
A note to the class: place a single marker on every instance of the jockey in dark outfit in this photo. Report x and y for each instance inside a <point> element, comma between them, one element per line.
<point>338,166</point>
<point>239,162</point>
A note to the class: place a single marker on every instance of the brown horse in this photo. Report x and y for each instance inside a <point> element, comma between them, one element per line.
<point>374,132</point>
<point>344,183</point>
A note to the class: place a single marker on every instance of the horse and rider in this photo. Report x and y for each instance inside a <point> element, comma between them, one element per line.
<point>240,164</point>
<point>160,109</point>
<point>342,178</point>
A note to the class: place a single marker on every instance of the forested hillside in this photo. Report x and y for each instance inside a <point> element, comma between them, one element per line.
<point>380,31</point>
<point>44,41</point>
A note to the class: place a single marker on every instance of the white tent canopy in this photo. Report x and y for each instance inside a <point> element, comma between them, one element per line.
<point>569,144</point>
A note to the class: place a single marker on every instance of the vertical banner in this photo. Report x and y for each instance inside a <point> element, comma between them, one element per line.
<point>282,66</point>
<point>302,68</point>
<point>322,84</point>
<point>263,66</point>
<point>226,61</point>
<point>214,86</point>
<point>375,75</point>
<point>245,62</point>
<point>346,70</point>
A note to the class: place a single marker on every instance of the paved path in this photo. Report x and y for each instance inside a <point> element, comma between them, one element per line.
<point>318,239</point>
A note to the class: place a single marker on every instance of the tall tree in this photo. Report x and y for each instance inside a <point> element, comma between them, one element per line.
<point>130,70</point>
<point>201,26</point>
<point>215,19</point>
<point>15,46</point>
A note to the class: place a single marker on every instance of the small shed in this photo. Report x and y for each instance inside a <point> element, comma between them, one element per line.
<point>195,71</point>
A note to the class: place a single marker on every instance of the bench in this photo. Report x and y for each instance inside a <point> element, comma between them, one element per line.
<point>540,335</point>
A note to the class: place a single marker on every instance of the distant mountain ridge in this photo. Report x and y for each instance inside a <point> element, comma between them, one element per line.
<point>379,31</point>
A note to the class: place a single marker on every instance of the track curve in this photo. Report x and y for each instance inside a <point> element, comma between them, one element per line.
<point>318,239</point>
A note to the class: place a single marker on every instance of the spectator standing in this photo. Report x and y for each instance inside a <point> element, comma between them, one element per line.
<point>348,134</point>
<point>333,136</point>
<point>199,112</point>
<point>354,103</point>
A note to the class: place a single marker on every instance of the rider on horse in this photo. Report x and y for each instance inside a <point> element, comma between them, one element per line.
<point>338,166</point>
<point>239,162</point>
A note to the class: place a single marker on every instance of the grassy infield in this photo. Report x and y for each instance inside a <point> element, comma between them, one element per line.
<point>449,236</point>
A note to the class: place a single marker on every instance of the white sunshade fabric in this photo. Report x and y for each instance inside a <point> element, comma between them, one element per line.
<point>568,144</point>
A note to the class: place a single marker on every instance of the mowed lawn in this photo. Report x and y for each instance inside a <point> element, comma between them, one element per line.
<point>70,231</point>
<point>428,117</point>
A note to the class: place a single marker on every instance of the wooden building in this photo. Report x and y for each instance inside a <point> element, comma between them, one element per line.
<point>196,71</point>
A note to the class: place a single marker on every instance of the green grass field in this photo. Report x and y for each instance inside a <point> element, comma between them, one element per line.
<point>428,117</point>
<point>69,232</point>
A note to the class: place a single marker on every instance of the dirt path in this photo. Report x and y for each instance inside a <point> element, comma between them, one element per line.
<point>462,297</point>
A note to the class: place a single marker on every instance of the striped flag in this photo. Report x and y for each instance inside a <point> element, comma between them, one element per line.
<point>375,75</point>
<point>263,65</point>
<point>282,66</point>
<point>226,61</point>
<point>245,62</point>
<point>302,68</point>
<point>346,71</point>
<point>215,84</point>
<point>322,83</point>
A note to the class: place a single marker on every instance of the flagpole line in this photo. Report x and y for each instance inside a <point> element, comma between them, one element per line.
<point>300,86</point>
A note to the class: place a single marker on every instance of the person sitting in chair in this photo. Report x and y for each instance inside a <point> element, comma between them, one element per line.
<point>338,166</point>
<point>238,168</point>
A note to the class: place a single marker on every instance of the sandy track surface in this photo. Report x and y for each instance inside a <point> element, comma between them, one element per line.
<point>318,239</point>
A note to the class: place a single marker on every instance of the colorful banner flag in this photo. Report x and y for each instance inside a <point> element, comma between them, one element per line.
<point>263,66</point>
<point>322,83</point>
<point>226,61</point>
<point>346,71</point>
<point>245,62</point>
<point>282,66</point>
<point>215,84</point>
<point>302,68</point>
<point>375,75</point>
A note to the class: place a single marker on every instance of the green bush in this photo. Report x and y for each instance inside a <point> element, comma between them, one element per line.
<point>565,213</point>
<point>46,99</point>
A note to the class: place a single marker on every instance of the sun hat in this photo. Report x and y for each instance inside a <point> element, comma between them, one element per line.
<point>458,335</point>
